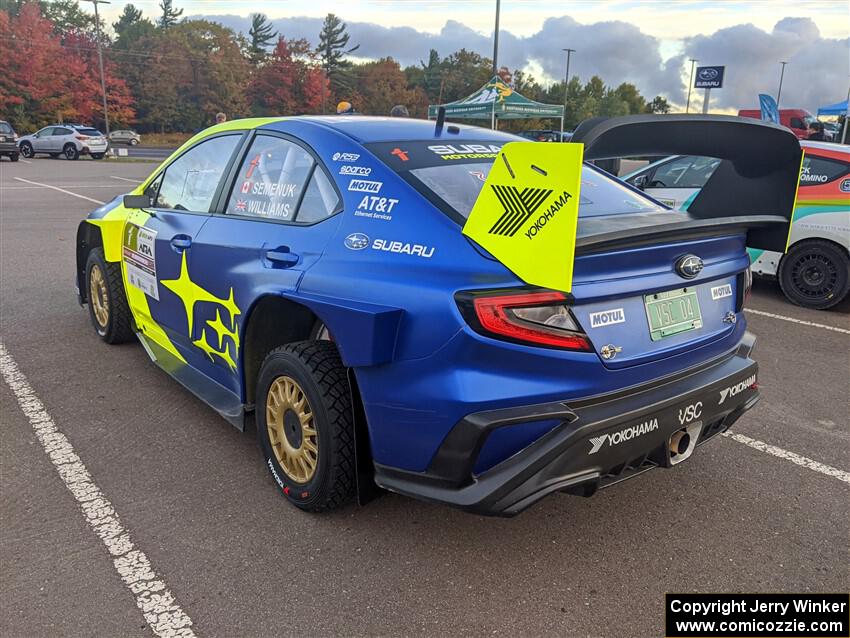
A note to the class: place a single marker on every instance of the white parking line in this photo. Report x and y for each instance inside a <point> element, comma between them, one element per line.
<point>26,161</point>
<point>761,446</point>
<point>61,190</point>
<point>161,611</point>
<point>811,324</point>
<point>124,179</point>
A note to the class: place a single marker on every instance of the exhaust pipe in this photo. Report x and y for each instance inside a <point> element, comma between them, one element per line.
<point>682,442</point>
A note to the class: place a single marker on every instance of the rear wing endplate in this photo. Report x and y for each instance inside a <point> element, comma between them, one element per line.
<point>757,177</point>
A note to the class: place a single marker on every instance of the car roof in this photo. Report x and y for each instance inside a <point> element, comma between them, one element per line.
<point>366,128</point>
<point>832,147</point>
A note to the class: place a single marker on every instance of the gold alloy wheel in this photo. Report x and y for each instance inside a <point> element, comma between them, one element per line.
<point>289,420</point>
<point>98,296</point>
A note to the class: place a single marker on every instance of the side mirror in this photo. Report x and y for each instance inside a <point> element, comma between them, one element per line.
<point>137,201</point>
<point>640,181</point>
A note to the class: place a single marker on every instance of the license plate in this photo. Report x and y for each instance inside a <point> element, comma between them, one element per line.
<point>672,312</point>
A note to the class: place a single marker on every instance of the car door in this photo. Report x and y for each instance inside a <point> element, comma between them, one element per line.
<point>272,225</point>
<point>41,140</point>
<point>158,245</point>
<point>58,138</point>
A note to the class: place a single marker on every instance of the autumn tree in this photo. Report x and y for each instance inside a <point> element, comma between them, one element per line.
<point>381,85</point>
<point>289,83</point>
<point>332,49</point>
<point>262,34</point>
<point>170,15</point>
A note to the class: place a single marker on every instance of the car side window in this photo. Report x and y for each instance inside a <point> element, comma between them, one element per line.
<point>670,174</point>
<point>45,131</point>
<point>190,181</point>
<point>61,131</point>
<point>819,170</point>
<point>320,199</point>
<point>271,180</point>
<point>796,122</point>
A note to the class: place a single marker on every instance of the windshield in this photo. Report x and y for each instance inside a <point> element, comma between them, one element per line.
<point>452,175</point>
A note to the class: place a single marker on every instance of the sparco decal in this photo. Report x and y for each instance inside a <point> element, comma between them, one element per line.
<point>346,157</point>
<point>364,186</point>
<point>403,248</point>
<point>732,390</point>
<point>362,171</point>
<point>626,434</point>
<point>607,317</point>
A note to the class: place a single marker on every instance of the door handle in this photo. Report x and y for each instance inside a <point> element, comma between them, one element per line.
<point>181,242</point>
<point>282,256</point>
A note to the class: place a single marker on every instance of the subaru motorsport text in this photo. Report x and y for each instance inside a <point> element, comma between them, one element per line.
<point>310,273</point>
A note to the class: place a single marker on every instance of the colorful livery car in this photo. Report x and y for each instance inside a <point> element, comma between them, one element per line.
<point>310,274</point>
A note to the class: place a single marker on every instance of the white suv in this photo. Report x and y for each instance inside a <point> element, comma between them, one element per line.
<point>70,140</point>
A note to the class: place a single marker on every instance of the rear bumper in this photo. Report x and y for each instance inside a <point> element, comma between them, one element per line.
<point>600,441</point>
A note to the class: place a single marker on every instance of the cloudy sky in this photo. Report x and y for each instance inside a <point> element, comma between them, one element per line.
<point>647,42</point>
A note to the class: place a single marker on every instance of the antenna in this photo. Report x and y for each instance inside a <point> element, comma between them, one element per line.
<point>441,118</point>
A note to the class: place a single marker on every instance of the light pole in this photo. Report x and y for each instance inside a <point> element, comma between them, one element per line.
<point>690,84</point>
<point>566,87</point>
<point>496,39</point>
<point>100,60</point>
<point>781,75</point>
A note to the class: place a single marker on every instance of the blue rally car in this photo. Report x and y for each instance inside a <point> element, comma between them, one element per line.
<point>309,275</point>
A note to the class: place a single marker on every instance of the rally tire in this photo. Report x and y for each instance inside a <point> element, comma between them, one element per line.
<point>815,273</point>
<point>27,151</point>
<point>70,152</point>
<point>14,157</point>
<point>117,325</point>
<point>316,368</point>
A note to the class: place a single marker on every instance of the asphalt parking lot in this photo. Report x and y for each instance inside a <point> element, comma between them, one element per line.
<point>766,510</point>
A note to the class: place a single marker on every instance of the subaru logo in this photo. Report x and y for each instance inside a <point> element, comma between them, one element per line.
<point>708,74</point>
<point>689,266</point>
<point>357,241</point>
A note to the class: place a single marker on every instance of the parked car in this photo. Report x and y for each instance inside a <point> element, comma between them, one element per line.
<point>797,120</point>
<point>125,136</point>
<point>8,141</point>
<point>312,273</point>
<point>815,270</point>
<point>68,140</point>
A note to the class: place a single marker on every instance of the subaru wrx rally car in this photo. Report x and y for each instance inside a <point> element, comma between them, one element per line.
<point>310,274</point>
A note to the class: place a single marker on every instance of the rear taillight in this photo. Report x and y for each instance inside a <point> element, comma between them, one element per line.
<point>539,318</point>
<point>82,138</point>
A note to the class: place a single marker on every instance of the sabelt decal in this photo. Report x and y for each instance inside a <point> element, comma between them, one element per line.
<point>736,389</point>
<point>140,258</point>
<point>364,186</point>
<point>527,210</point>
<point>721,292</point>
<point>607,317</point>
<point>346,157</point>
<point>362,171</point>
<point>626,434</point>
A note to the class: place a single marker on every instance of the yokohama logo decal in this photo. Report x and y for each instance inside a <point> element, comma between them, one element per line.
<point>519,206</point>
<point>625,434</point>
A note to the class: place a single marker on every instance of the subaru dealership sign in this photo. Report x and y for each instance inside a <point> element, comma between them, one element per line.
<point>709,77</point>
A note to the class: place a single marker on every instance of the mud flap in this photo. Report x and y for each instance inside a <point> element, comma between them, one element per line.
<point>367,489</point>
